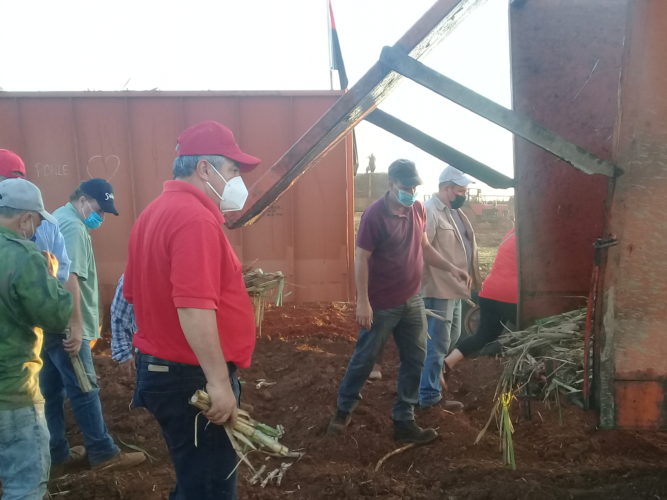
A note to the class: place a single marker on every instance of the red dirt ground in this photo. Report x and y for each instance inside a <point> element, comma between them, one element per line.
<point>305,350</point>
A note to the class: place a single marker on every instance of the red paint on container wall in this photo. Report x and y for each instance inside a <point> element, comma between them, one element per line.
<point>129,138</point>
<point>636,280</point>
<point>566,63</point>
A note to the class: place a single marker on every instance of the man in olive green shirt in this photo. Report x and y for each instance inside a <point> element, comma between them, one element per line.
<point>84,212</point>
<point>31,299</point>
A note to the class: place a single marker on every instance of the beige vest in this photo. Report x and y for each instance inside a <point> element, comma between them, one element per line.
<point>444,236</point>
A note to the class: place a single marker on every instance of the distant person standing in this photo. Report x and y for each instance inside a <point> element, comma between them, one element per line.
<point>451,234</point>
<point>31,299</point>
<point>84,212</point>
<point>196,322</point>
<point>391,249</point>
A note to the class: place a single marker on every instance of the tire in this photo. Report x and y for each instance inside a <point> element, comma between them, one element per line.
<point>470,321</point>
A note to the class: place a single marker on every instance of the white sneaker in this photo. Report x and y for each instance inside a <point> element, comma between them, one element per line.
<point>376,374</point>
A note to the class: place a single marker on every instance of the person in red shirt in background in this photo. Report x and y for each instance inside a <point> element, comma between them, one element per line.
<point>497,303</point>
<point>194,317</point>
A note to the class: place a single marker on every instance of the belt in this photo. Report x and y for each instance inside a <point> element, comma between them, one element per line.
<point>231,367</point>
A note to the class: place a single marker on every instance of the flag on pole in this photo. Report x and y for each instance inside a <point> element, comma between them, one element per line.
<point>337,64</point>
<point>336,56</point>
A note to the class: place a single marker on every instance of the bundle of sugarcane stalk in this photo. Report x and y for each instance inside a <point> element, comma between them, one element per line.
<point>260,286</point>
<point>540,362</point>
<point>248,435</point>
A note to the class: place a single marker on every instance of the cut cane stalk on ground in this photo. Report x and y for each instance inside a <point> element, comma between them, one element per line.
<point>542,361</point>
<point>247,435</point>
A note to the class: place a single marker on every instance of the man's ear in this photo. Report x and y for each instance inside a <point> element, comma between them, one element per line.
<point>24,218</point>
<point>203,169</point>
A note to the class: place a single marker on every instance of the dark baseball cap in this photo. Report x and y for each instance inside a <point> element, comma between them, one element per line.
<point>102,192</point>
<point>405,172</point>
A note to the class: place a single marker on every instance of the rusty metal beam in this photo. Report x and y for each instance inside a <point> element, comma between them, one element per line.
<point>350,109</point>
<point>440,150</point>
<point>398,60</point>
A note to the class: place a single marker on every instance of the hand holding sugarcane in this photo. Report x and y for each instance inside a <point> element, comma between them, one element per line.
<point>222,403</point>
<point>248,431</point>
<point>247,435</point>
<point>72,344</point>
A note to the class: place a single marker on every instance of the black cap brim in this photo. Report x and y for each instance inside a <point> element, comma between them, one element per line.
<point>107,206</point>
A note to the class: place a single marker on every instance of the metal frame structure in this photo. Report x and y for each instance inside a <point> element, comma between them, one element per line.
<point>363,98</point>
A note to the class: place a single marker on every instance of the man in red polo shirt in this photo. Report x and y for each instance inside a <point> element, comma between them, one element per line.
<point>195,320</point>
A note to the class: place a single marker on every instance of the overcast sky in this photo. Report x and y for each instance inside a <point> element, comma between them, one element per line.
<point>263,45</point>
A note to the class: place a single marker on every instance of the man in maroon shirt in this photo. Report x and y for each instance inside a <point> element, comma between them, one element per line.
<point>194,317</point>
<point>391,250</point>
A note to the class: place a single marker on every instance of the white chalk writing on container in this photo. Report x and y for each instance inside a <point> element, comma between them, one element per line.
<point>105,167</point>
<point>52,169</point>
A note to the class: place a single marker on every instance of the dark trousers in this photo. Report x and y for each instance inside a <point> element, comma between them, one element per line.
<point>202,472</point>
<point>57,380</point>
<point>492,315</point>
<point>407,323</point>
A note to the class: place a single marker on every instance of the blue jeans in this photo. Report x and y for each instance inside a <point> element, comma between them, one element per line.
<point>24,453</point>
<point>443,335</point>
<point>407,323</point>
<point>57,380</point>
<point>202,472</point>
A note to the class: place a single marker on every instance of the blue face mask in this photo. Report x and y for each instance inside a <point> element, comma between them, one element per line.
<point>94,220</point>
<point>406,199</point>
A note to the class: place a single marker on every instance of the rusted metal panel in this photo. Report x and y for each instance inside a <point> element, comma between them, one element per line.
<point>377,83</point>
<point>636,276</point>
<point>129,138</point>
<point>522,126</point>
<point>566,63</point>
<point>640,404</point>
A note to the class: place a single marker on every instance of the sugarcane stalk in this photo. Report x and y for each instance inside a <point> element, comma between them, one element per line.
<point>241,437</point>
<point>81,375</point>
<point>258,475</point>
<point>507,429</point>
<point>247,427</point>
<point>261,438</point>
<point>79,370</point>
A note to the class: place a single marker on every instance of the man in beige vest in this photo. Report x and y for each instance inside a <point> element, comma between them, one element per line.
<point>449,231</point>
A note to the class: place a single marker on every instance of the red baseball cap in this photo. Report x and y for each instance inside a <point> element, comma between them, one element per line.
<point>10,164</point>
<point>213,138</point>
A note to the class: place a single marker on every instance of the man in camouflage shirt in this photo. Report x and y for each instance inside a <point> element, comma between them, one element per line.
<point>31,299</point>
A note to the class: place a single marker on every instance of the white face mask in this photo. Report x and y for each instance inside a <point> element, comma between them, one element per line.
<point>234,195</point>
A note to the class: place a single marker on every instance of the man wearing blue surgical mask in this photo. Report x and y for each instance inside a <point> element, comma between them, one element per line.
<point>390,253</point>
<point>84,213</point>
